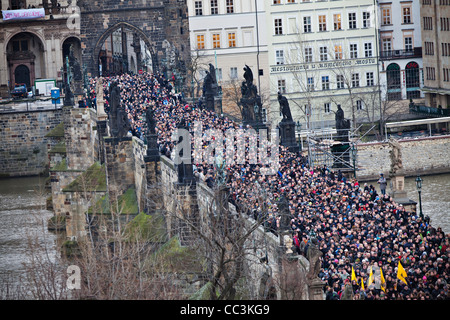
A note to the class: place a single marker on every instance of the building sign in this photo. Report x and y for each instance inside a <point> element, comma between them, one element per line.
<point>323,65</point>
<point>23,14</point>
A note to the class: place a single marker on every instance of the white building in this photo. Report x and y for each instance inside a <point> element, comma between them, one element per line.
<point>229,34</point>
<point>323,54</point>
<point>400,50</point>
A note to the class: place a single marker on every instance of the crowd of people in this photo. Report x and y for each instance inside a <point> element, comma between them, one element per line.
<point>360,232</point>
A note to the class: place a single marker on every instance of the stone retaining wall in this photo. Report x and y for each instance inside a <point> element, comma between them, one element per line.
<point>419,156</point>
<point>23,145</point>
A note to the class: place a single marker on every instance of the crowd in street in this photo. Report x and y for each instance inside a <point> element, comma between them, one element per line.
<point>359,230</point>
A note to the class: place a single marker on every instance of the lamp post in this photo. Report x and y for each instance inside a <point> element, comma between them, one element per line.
<point>354,160</point>
<point>419,189</point>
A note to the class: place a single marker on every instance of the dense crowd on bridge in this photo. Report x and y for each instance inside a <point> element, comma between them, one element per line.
<point>358,229</point>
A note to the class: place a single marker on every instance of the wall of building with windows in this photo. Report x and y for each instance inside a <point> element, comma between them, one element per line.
<point>230,34</point>
<point>401,74</point>
<point>323,54</point>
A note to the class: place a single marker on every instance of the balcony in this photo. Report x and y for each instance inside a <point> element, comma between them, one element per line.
<point>401,54</point>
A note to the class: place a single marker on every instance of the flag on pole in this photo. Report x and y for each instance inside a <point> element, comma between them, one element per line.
<point>371,278</point>
<point>401,273</point>
<point>383,281</point>
<point>353,275</point>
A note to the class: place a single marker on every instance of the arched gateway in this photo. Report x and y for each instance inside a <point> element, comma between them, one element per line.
<point>153,22</point>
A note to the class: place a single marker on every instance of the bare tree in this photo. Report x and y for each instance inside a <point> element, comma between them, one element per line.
<point>221,235</point>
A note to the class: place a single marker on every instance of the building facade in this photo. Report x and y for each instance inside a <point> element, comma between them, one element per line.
<point>401,73</point>
<point>34,49</point>
<point>323,54</point>
<point>229,34</point>
<point>435,18</point>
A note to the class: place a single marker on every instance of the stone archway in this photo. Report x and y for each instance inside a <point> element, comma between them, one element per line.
<point>122,25</point>
<point>25,50</point>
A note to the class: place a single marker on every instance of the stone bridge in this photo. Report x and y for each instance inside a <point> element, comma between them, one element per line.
<point>79,177</point>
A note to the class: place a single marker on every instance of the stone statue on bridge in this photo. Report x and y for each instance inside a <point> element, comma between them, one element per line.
<point>284,108</point>
<point>250,101</point>
<point>313,255</point>
<point>396,156</point>
<point>342,125</point>
<point>118,121</point>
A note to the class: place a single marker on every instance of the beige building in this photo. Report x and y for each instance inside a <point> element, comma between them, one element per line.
<point>435,18</point>
<point>34,40</point>
<point>229,34</point>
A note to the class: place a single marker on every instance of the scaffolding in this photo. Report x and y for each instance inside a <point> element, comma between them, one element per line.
<point>325,148</point>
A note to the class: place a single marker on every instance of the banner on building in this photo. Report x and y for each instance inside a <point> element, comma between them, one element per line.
<point>23,14</point>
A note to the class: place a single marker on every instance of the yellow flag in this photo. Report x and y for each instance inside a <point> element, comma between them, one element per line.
<point>353,275</point>
<point>370,277</point>
<point>383,281</point>
<point>401,273</point>
<point>362,283</point>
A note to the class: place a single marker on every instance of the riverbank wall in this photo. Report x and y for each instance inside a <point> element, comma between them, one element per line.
<point>23,142</point>
<point>420,156</point>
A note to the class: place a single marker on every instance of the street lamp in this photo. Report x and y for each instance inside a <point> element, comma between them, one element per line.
<point>354,151</point>
<point>419,189</point>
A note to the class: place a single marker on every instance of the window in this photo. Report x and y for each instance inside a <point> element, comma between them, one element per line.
<point>323,53</point>
<point>352,20</point>
<point>387,44</point>
<point>233,73</point>
<point>307,24</point>
<point>278,26</point>
<point>279,56</point>
<point>282,85</point>
<point>412,74</point>
<point>231,39</point>
<point>431,73</point>
<point>308,55</point>
<point>337,21</point>
<point>276,1</point>
<point>359,105</point>
<point>353,51</point>
<point>20,45</point>
<point>429,48</point>
<point>219,74</point>
<point>327,107</point>
<point>445,72</point>
<point>385,15</point>
<point>325,83</point>
<point>310,83</point>
<point>427,23</point>
<point>370,79</point>
<point>340,81</point>
<point>366,19</point>
<point>216,40</point>
<point>214,7</point>
<point>322,23</point>
<point>445,49</point>
<point>406,12</point>
<point>368,49</point>
<point>408,44</point>
<point>198,8</point>
<point>230,6</point>
<point>200,41</point>
<point>445,25</point>
<point>355,80</point>
<point>338,52</point>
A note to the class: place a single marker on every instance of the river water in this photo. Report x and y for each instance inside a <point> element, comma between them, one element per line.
<point>23,215</point>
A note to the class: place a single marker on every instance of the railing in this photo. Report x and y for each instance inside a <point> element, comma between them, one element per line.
<point>433,112</point>
<point>401,54</point>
